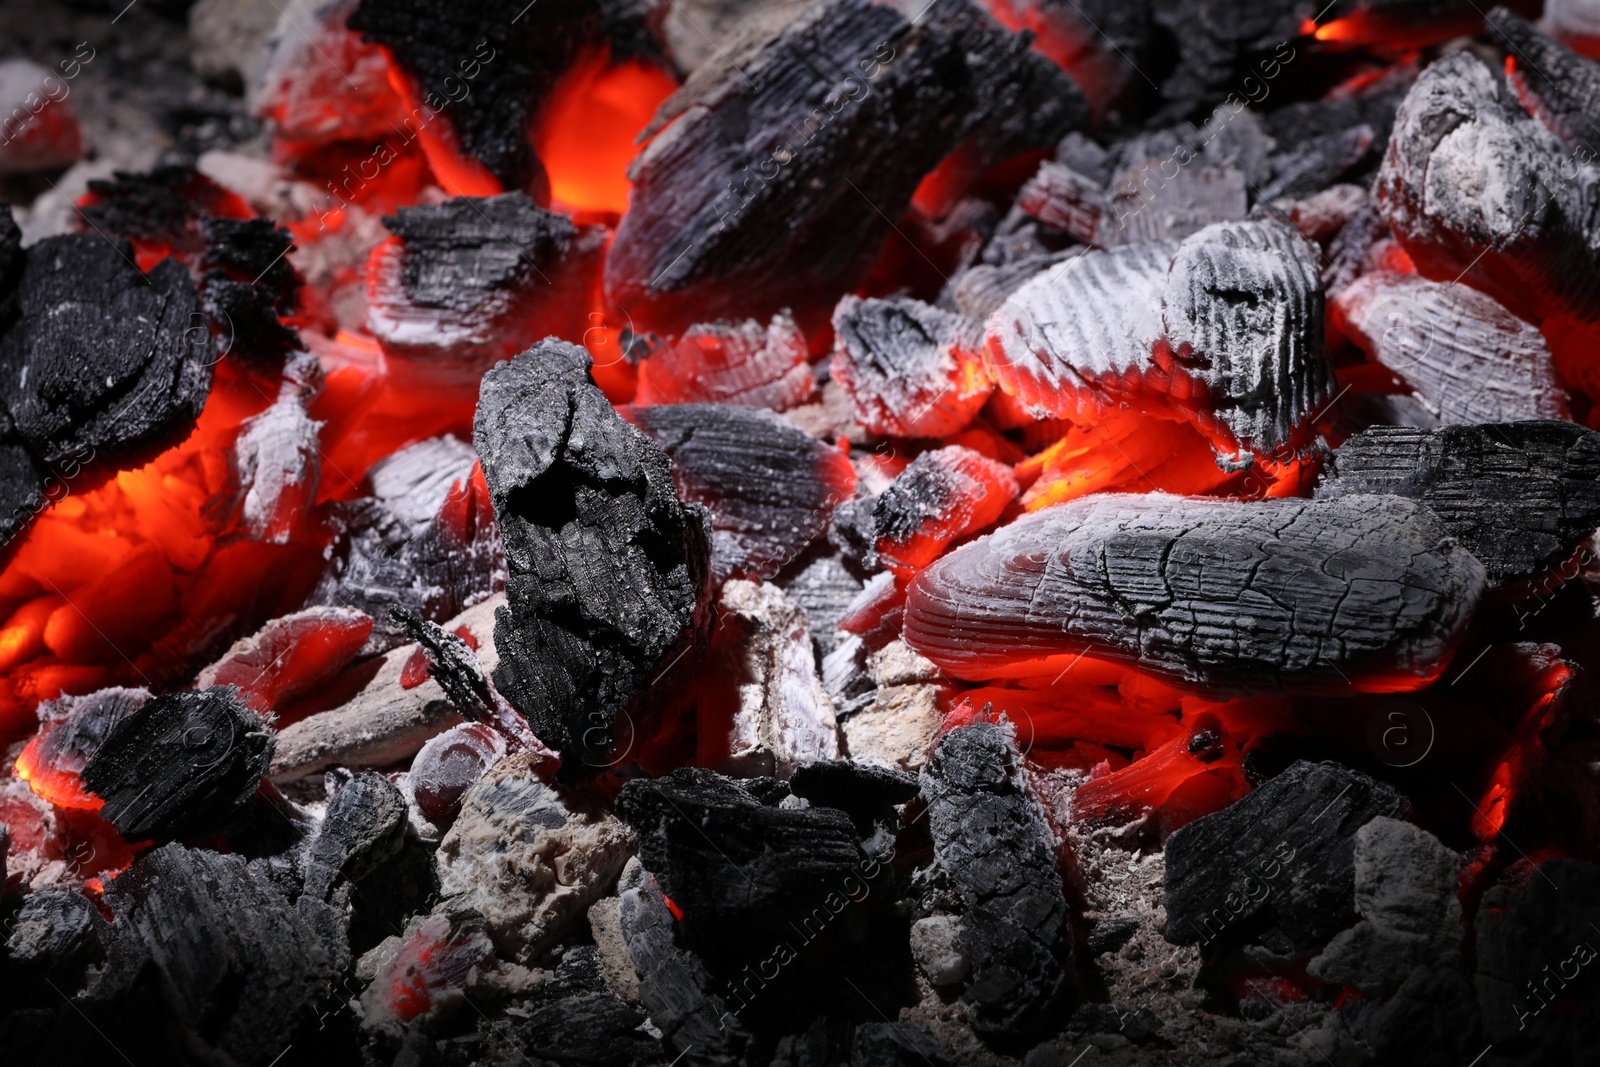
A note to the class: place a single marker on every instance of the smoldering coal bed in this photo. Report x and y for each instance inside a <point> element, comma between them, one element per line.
<point>739,532</point>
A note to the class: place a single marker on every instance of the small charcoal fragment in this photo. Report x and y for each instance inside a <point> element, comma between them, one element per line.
<point>1216,39</point>
<point>448,764</point>
<point>1521,496</point>
<point>414,482</point>
<point>994,851</point>
<point>473,281</point>
<point>1466,358</point>
<point>365,826</point>
<point>423,981</point>
<point>454,665</point>
<point>769,486</point>
<point>1274,595</point>
<point>290,656</point>
<point>235,961</point>
<point>275,469</point>
<point>910,370</point>
<point>943,496</point>
<point>731,363</point>
<point>1560,87</point>
<point>1278,867</point>
<point>103,364</point>
<point>181,765</point>
<point>608,566</point>
<point>55,936</point>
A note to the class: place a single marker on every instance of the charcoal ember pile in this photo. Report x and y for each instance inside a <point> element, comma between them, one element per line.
<point>727,533</point>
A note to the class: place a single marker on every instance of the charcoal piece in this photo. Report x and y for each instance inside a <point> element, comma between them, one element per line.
<point>910,370</point>
<point>978,291</point>
<point>588,1028</point>
<point>1431,1017</point>
<point>1536,949</point>
<point>364,827</point>
<point>414,482</point>
<point>1146,205</point>
<point>248,284</point>
<point>274,471</point>
<point>823,588</point>
<point>741,363</point>
<point>1347,255</point>
<point>1316,164</point>
<point>161,207</point>
<point>472,281</point>
<point>635,28</point>
<point>229,956</point>
<point>1298,127</point>
<point>448,764</point>
<point>886,1044</point>
<point>675,985</point>
<point>608,566</point>
<point>1564,86</point>
<point>103,363</point>
<point>1277,867</point>
<point>943,496</point>
<point>1478,192</point>
<point>55,936</point>
<point>454,665</point>
<point>74,727</point>
<point>869,794</point>
<point>1276,595</point>
<point>739,870</point>
<point>995,855</point>
<point>820,135</point>
<point>181,765</point>
<point>12,260</point>
<point>769,486</point>
<point>486,68</point>
<point>1521,496</point>
<point>1466,358</point>
<point>1101,43</point>
<point>22,486</point>
<point>1220,41</point>
<point>1065,200</point>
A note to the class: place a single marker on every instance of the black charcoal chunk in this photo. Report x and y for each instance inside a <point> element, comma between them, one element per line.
<point>22,486</point>
<point>1522,496</point>
<point>454,665</point>
<point>996,857</point>
<point>103,363</point>
<point>776,180</point>
<point>770,487</point>
<point>608,566</point>
<point>595,1028</point>
<point>55,936</point>
<point>233,960</point>
<point>364,827</point>
<point>1272,595</point>
<point>869,794</point>
<point>486,67</point>
<point>12,260</point>
<point>247,283</point>
<point>457,253</point>
<point>741,871</point>
<point>1217,41</point>
<point>1276,868</point>
<point>886,1044</point>
<point>1564,85</point>
<point>181,765</point>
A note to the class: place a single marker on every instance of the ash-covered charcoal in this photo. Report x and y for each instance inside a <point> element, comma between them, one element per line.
<point>819,135</point>
<point>1560,87</point>
<point>609,567</point>
<point>485,68</point>
<point>782,717</point>
<point>1225,329</point>
<point>770,487</point>
<point>472,281</point>
<point>1274,595</point>
<point>1350,251</point>
<point>1146,205</point>
<point>275,469</point>
<point>910,369</point>
<point>995,861</point>
<point>225,950</point>
<point>1477,191</point>
<point>1313,165</point>
<point>1065,200</point>
<point>675,985</point>
<point>180,765</point>
<point>823,588</point>
<point>415,482</point>
<point>448,764</point>
<point>739,870</point>
<point>741,363</point>
<point>454,665</point>
<point>978,291</point>
<point>365,826</point>
<point>1278,867</point>
<point>55,936</point>
<point>597,1028</point>
<point>102,365</point>
<point>426,974</point>
<point>1466,358</point>
<point>1522,496</point>
<point>943,496</point>
<point>529,856</point>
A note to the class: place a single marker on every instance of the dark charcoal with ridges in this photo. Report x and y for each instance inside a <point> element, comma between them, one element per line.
<point>995,854</point>
<point>770,487</point>
<point>1521,495</point>
<point>1564,85</point>
<point>608,567</point>
<point>1278,867</point>
<point>1281,594</point>
<point>182,765</point>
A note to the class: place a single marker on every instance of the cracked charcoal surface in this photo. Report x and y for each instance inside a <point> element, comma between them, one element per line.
<point>1278,866</point>
<point>515,56</point>
<point>769,486</point>
<point>909,368</point>
<point>365,826</point>
<point>1521,496</point>
<point>1467,359</point>
<point>181,765</point>
<point>608,567</point>
<point>458,252</point>
<point>1565,84</point>
<point>1273,595</point>
<point>778,141</point>
<point>993,849</point>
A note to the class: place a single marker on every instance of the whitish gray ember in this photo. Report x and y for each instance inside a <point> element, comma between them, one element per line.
<point>911,370</point>
<point>1564,87</point>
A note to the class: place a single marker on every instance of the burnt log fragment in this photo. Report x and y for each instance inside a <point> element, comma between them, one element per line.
<point>484,68</point>
<point>1277,867</point>
<point>180,765</point>
<point>819,134</point>
<point>55,936</point>
<point>1273,595</point>
<point>221,947</point>
<point>769,486</point>
<point>454,665</point>
<point>995,857</point>
<point>910,369</point>
<point>1522,496</point>
<point>103,363</point>
<point>943,496</point>
<point>608,567</point>
<point>1560,87</point>
<point>365,825</point>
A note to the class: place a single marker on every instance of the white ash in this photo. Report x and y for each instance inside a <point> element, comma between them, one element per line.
<point>897,728</point>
